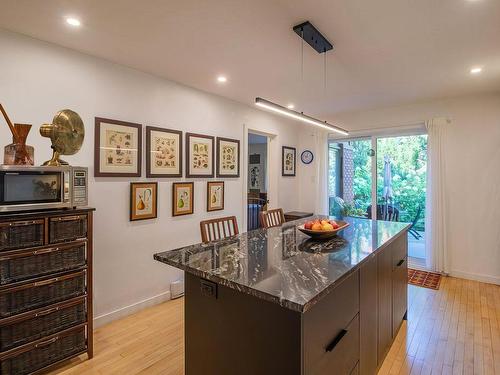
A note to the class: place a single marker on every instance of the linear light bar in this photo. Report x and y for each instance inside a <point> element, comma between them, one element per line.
<point>298,116</point>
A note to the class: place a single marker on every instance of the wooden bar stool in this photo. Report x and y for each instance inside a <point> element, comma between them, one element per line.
<point>272,218</point>
<point>218,229</point>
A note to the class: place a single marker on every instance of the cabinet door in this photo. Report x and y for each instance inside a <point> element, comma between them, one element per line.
<point>368,315</point>
<point>400,294</point>
<point>384,273</point>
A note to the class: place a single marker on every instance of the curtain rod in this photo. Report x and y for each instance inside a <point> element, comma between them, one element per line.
<point>383,130</point>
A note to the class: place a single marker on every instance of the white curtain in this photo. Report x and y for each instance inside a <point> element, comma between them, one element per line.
<point>321,147</point>
<point>436,244</point>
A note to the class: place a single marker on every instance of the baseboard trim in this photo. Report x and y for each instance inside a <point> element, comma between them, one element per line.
<point>476,277</point>
<point>130,309</point>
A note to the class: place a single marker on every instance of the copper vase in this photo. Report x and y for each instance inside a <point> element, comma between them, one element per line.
<point>18,152</point>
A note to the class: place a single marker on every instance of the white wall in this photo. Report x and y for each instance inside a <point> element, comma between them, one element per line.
<point>473,175</point>
<point>37,79</point>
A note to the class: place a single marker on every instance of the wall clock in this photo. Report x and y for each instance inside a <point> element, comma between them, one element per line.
<point>307,157</point>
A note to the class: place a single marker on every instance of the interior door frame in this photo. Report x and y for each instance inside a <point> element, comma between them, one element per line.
<point>272,174</point>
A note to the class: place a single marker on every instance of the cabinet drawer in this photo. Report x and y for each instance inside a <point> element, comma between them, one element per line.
<point>67,228</point>
<point>24,328</point>
<point>21,234</point>
<point>33,357</point>
<point>399,249</point>
<point>327,319</point>
<point>341,354</point>
<point>22,265</point>
<point>18,299</point>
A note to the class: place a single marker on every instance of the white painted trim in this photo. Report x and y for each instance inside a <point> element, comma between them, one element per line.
<point>131,309</point>
<point>385,131</point>
<point>477,277</point>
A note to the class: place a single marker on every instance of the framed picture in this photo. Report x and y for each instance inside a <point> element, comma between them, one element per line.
<point>288,161</point>
<point>143,200</point>
<point>254,176</point>
<point>182,198</point>
<point>199,155</point>
<point>163,152</point>
<point>117,148</point>
<point>215,195</point>
<point>228,157</point>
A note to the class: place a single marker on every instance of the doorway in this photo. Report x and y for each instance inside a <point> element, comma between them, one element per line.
<point>258,178</point>
<point>388,170</point>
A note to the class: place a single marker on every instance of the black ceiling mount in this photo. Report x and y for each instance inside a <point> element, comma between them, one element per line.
<point>313,37</point>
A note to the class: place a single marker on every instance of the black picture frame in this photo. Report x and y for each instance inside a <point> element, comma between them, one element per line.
<point>211,158</point>
<point>149,130</point>
<point>218,161</point>
<point>284,173</point>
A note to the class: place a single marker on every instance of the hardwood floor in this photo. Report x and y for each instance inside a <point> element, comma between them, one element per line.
<point>454,330</point>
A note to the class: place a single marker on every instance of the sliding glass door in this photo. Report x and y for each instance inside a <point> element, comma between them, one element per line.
<point>390,171</point>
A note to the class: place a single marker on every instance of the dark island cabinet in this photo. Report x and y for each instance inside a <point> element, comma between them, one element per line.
<point>45,289</point>
<point>384,303</point>
<point>368,298</point>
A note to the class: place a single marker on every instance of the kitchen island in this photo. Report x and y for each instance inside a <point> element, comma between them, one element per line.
<point>273,301</point>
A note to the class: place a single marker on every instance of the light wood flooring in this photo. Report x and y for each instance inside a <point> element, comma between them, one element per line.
<point>454,330</point>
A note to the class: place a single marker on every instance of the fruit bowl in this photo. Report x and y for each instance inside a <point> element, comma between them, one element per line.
<point>323,234</point>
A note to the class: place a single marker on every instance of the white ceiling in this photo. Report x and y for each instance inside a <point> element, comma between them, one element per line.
<point>387,52</point>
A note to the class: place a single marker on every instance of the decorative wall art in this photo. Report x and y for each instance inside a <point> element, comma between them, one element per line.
<point>288,161</point>
<point>228,157</point>
<point>254,176</point>
<point>143,200</point>
<point>215,195</point>
<point>117,149</point>
<point>182,198</point>
<point>199,155</point>
<point>163,152</point>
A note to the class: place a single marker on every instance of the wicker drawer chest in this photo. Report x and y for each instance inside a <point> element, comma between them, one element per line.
<point>45,289</point>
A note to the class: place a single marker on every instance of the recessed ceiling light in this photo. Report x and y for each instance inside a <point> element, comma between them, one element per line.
<point>290,106</point>
<point>73,21</point>
<point>222,79</point>
<point>476,70</point>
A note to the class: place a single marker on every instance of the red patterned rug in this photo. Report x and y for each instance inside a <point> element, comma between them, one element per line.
<point>424,279</point>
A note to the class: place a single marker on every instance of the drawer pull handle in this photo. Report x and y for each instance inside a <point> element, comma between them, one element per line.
<point>22,223</point>
<point>46,312</point>
<point>46,282</point>
<point>68,218</point>
<point>46,251</point>
<point>401,262</point>
<point>48,342</point>
<point>336,340</point>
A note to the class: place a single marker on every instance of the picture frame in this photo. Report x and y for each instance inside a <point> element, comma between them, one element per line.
<point>182,198</point>
<point>163,152</point>
<point>215,196</point>
<point>117,148</point>
<point>288,161</point>
<point>228,157</point>
<point>143,200</point>
<point>199,155</point>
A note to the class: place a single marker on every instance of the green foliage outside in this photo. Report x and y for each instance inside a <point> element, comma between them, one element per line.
<point>408,157</point>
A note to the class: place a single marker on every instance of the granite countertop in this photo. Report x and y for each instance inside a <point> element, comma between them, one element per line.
<point>283,265</point>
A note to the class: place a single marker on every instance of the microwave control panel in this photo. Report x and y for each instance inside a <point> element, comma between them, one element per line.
<point>80,186</point>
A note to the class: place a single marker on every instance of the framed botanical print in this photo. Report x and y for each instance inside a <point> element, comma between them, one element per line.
<point>288,161</point>
<point>182,198</point>
<point>199,155</point>
<point>143,200</point>
<point>117,148</point>
<point>163,152</point>
<point>228,157</point>
<point>215,195</point>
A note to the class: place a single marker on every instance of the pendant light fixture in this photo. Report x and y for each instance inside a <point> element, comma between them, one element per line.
<point>263,103</point>
<point>320,44</point>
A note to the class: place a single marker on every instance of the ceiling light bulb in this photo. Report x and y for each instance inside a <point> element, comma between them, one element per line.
<point>73,21</point>
<point>221,79</point>
<point>476,70</point>
<point>290,106</point>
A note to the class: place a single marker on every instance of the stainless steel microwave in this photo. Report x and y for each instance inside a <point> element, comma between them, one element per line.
<point>24,188</point>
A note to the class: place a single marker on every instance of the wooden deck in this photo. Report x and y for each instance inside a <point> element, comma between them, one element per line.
<point>454,330</point>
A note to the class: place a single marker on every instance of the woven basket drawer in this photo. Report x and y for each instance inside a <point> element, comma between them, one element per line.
<point>23,265</point>
<point>22,329</point>
<point>21,234</point>
<point>42,293</point>
<point>67,228</point>
<point>44,353</point>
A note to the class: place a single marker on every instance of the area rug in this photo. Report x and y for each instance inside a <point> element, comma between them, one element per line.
<point>424,279</point>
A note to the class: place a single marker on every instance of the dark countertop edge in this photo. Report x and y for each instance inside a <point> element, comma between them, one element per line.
<point>271,298</point>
